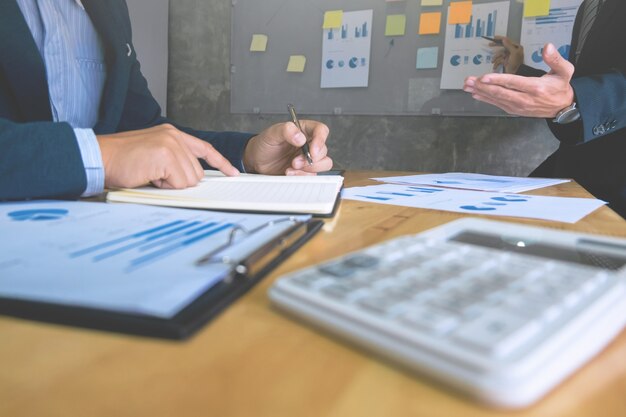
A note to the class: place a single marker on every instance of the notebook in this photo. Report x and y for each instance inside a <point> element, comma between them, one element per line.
<point>317,195</point>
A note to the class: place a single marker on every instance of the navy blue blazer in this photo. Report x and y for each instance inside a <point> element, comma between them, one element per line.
<point>593,150</point>
<point>40,158</point>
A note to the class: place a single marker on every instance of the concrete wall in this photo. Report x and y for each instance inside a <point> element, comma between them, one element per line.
<point>199,96</point>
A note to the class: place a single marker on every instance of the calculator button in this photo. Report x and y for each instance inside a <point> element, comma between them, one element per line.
<point>361,261</point>
<point>430,320</point>
<point>338,291</point>
<point>496,333</point>
<point>338,269</point>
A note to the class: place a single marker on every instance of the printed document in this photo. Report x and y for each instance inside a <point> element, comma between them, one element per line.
<point>127,258</point>
<point>559,209</point>
<point>479,182</point>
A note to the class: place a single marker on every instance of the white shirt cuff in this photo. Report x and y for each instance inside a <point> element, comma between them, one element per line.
<point>92,160</point>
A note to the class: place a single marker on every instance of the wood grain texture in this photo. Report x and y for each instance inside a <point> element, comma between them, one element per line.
<point>255,361</point>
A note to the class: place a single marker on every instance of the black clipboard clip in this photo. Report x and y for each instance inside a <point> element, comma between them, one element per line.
<point>272,249</point>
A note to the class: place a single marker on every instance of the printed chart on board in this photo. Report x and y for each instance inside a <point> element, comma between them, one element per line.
<point>555,28</point>
<point>466,52</point>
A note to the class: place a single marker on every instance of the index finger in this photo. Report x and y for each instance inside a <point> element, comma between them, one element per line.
<point>509,81</point>
<point>206,151</point>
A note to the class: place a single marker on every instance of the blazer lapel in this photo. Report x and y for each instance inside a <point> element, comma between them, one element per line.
<point>105,15</point>
<point>22,64</point>
<point>598,31</point>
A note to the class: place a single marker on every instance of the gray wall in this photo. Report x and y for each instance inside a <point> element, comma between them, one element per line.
<point>199,96</point>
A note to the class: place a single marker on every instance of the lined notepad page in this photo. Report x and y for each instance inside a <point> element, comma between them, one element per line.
<point>299,194</point>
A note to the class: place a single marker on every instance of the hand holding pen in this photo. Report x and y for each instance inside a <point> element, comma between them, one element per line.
<point>305,148</point>
<point>283,148</point>
<point>510,55</point>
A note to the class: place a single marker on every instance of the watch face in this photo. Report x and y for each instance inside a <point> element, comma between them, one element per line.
<point>568,115</point>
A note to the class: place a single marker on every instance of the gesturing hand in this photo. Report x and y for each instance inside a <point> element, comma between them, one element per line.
<point>161,155</point>
<point>510,55</point>
<point>276,150</point>
<point>528,96</point>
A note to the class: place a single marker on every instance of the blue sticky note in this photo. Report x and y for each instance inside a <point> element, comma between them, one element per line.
<point>427,58</point>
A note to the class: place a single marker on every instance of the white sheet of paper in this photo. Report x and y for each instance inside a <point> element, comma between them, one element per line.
<point>465,52</point>
<point>122,257</point>
<point>478,182</point>
<point>555,28</point>
<point>346,51</point>
<point>560,209</point>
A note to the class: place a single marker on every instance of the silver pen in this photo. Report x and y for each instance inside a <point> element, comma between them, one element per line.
<point>305,147</point>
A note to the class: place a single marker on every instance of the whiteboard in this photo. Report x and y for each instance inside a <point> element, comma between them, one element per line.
<point>260,83</point>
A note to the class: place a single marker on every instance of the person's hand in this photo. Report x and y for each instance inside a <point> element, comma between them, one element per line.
<point>276,150</point>
<point>528,96</point>
<point>161,155</point>
<point>510,55</point>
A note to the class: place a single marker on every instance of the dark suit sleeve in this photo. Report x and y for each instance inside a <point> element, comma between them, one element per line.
<point>39,160</point>
<point>601,99</point>
<point>141,111</point>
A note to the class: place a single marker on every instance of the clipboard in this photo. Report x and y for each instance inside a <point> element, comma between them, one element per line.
<point>243,276</point>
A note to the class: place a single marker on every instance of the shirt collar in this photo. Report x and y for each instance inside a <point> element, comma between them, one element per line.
<point>80,4</point>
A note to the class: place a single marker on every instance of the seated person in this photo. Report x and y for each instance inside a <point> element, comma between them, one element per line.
<point>76,114</point>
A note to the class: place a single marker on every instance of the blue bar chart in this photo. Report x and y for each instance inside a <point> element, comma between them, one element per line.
<point>478,28</point>
<point>154,244</point>
<point>360,31</point>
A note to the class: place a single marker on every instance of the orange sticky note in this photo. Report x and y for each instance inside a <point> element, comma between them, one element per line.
<point>459,12</point>
<point>430,23</point>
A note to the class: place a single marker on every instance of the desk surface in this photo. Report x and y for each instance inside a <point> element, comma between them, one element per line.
<point>255,361</point>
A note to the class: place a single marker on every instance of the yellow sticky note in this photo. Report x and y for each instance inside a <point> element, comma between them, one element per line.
<point>460,12</point>
<point>396,25</point>
<point>333,19</point>
<point>536,8</point>
<point>259,43</point>
<point>432,2</point>
<point>296,63</point>
<point>430,23</point>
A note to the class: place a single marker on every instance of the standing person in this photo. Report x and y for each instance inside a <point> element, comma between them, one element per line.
<point>76,114</point>
<point>584,99</point>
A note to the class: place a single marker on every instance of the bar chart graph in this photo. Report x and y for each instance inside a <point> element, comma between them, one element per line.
<point>478,28</point>
<point>154,244</point>
<point>466,52</point>
<point>346,51</point>
<point>360,31</point>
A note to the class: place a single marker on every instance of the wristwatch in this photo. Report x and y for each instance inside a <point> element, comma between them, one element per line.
<point>567,115</point>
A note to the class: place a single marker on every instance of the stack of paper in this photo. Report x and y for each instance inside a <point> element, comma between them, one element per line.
<point>480,182</point>
<point>457,192</point>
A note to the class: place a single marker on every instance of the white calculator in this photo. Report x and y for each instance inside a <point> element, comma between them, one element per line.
<point>498,311</point>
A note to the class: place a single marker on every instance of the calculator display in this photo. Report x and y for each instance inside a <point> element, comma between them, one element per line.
<point>575,254</point>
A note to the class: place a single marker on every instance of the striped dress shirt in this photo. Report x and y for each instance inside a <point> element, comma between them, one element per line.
<point>74,58</point>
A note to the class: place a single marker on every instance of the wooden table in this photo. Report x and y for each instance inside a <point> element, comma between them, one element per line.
<point>254,361</point>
